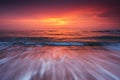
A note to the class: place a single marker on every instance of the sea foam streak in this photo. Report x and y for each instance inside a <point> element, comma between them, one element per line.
<point>59,63</point>
<point>52,59</point>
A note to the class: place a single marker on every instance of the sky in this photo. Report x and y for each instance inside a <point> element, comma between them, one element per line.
<point>49,14</point>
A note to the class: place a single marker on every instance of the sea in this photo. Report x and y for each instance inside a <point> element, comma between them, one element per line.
<point>60,54</point>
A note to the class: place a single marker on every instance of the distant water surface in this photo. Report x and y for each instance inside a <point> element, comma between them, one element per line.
<point>60,54</point>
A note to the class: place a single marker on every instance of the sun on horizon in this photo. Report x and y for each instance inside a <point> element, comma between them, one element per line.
<point>55,21</point>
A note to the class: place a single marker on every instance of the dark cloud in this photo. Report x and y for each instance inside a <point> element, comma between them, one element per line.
<point>21,4</point>
<point>59,2</point>
<point>111,13</point>
<point>112,6</point>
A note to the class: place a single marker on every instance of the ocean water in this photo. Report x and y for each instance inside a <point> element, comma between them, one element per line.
<point>60,54</point>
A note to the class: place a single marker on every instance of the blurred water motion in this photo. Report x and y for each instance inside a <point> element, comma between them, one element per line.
<point>60,55</point>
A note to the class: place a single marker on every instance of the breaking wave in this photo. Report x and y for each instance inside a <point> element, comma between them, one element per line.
<point>61,58</point>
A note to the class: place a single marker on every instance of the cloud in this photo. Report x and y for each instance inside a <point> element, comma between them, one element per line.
<point>59,2</point>
<point>101,11</point>
<point>111,13</point>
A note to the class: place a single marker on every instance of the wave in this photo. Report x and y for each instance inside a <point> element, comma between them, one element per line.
<point>113,46</point>
<point>8,44</point>
<point>54,38</point>
<point>4,45</point>
<point>93,41</point>
<point>90,57</point>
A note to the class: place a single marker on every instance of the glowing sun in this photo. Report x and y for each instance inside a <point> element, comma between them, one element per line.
<point>55,21</point>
